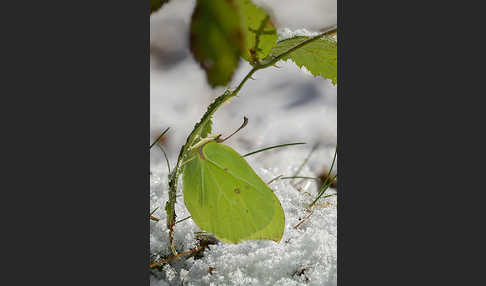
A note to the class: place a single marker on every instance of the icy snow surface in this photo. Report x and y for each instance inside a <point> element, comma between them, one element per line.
<point>287,33</point>
<point>283,105</point>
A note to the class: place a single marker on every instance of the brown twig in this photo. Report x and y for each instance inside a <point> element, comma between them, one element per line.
<point>304,220</point>
<point>153,265</point>
<point>323,205</point>
<point>274,179</point>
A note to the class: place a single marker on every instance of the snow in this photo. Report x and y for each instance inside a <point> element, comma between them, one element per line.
<point>309,14</point>
<point>310,248</point>
<point>283,105</point>
<point>287,33</point>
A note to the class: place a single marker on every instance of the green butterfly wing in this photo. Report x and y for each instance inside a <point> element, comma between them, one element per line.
<point>227,198</point>
<point>274,230</point>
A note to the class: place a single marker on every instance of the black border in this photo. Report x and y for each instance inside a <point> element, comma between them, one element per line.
<point>340,143</point>
<point>75,112</point>
<point>75,104</point>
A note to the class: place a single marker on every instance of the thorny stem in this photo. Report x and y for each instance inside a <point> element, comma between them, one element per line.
<point>327,31</point>
<point>173,177</point>
<point>248,76</point>
<point>257,67</point>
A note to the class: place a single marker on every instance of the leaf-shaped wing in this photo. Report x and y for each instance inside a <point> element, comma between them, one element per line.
<point>227,198</point>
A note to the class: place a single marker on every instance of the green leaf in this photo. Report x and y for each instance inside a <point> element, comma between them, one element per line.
<point>261,33</point>
<point>217,38</point>
<point>156,4</point>
<point>319,57</point>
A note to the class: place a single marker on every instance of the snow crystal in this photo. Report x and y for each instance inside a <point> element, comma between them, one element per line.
<point>306,71</point>
<point>305,255</point>
<point>286,33</point>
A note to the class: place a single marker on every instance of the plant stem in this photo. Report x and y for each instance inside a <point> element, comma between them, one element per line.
<point>248,76</point>
<point>327,31</point>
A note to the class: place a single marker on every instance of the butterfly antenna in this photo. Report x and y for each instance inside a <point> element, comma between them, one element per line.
<point>245,122</point>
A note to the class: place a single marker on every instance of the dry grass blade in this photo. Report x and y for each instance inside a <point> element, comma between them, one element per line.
<point>272,147</point>
<point>158,138</point>
<point>326,183</point>
<point>304,220</point>
<point>301,177</point>
<point>183,219</point>
<point>274,179</point>
<point>165,155</point>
